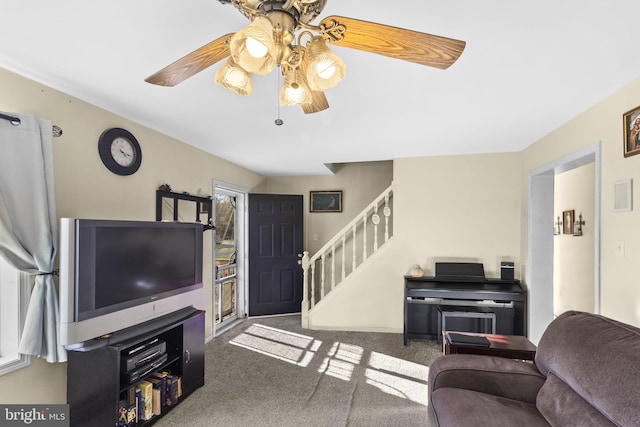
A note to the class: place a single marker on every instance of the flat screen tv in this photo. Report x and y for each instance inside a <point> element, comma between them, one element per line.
<point>118,274</point>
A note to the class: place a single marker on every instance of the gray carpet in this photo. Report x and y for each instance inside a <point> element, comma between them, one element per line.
<point>271,372</point>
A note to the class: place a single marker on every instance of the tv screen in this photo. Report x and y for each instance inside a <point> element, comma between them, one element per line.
<point>121,266</point>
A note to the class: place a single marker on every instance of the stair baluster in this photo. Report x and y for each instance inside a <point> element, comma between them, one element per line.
<point>333,267</point>
<point>344,251</point>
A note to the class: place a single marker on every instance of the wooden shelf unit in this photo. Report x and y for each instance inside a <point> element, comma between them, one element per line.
<point>203,205</point>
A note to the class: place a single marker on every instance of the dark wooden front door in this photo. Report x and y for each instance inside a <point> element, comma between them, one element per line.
<point>275,240</point>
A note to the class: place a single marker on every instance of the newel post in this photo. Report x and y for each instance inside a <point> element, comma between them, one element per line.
<point>304,262</point>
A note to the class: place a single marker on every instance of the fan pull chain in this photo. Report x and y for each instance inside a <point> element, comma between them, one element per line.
<point>278,121</point>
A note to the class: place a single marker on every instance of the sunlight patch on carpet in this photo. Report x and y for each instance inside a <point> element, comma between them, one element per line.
<point>337,369</point>
<point>394,365</point>
<point>279,344</point>
<point>398,386</point>
<point>281,336</point>
<point>347,352</point>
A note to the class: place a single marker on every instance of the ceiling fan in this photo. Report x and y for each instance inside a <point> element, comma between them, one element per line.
<point>281,34</point>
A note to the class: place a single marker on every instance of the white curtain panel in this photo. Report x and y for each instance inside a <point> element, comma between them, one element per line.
<point>28,226</point>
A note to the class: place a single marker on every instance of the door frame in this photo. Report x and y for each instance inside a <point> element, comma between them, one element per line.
<point>242,241</point>
<point>540,235</point>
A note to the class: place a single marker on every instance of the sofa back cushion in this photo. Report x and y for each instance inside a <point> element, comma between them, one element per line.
<point>561,406</point>
<point>594,359</point>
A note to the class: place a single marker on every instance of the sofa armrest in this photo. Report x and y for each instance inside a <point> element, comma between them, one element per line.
<point>497,376</point>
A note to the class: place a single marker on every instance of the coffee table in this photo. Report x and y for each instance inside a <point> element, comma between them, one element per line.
<point>509,346</point>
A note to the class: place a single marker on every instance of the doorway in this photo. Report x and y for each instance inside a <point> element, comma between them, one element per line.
<point>540,238</point>
<point>229,266</point>
<point>573,258</point>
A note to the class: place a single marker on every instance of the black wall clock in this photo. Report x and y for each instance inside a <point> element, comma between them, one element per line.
<point>120,151</point>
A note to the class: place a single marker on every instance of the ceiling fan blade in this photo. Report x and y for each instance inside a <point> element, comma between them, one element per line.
<point>318,103</point>
<point>399,43</point>
<point>192,63</point>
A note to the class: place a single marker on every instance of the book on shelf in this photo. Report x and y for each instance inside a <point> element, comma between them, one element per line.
<point>157,403</point>
<point>146,394</point>
<point>138,404</point>
<point>464,339</point>
<point>162,378</point>
<point>172,389</point>
<point>131,400</point>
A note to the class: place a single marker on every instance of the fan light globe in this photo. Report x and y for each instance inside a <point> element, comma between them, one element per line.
<point>324,68</point>
<point>294,89</point>
<point>252,47</point>
<point>233,77</point>
<point>255,48</point>
<point>295,94</point>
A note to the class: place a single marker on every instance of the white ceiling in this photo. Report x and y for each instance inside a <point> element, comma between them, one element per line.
<point>529,67</point>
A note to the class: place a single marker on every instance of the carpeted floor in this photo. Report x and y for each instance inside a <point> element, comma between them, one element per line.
<point>271,372</point>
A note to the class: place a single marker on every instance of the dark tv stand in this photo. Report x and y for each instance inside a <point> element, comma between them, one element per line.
<point>94,383</point>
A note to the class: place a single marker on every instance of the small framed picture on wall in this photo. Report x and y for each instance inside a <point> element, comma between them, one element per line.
<point>568,218</point>
<point>325,201</point>
<point>631,122</point>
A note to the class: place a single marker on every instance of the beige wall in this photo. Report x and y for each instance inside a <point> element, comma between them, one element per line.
<point>360,184</point>
<point>574,257</point>
<point>620,293</point>
<point>458,208</point>
<point>464,208</point>
<point>85,188</point>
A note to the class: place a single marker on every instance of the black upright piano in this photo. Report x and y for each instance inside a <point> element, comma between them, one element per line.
<point>461,284</point>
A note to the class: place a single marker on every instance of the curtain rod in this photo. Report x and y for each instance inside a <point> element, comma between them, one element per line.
<point>57,131</point>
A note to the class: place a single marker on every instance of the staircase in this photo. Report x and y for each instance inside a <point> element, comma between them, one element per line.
<point>346,252</point>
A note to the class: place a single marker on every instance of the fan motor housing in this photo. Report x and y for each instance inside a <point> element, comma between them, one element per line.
<point>303,11</point>
<point>309,9</point>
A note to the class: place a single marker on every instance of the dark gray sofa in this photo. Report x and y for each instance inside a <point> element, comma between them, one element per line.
<point>586,373</point>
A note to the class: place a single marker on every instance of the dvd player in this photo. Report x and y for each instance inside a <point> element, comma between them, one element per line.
<point>142,354</point>
<point>140,372</point>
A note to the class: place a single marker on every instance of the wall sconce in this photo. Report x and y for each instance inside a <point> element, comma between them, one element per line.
<point>577,226</point>
<point>557,229</point>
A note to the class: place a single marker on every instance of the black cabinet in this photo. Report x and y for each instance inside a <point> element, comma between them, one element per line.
<point>96,378</point>
<point>193,353</point>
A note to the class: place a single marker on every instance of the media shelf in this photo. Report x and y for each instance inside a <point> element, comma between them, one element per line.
<point>97,375</point>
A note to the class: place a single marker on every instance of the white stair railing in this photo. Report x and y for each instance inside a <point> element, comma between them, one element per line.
<point>346,251</point>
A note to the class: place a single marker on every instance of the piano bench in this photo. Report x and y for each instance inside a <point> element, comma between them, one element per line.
<point>454,311</point>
